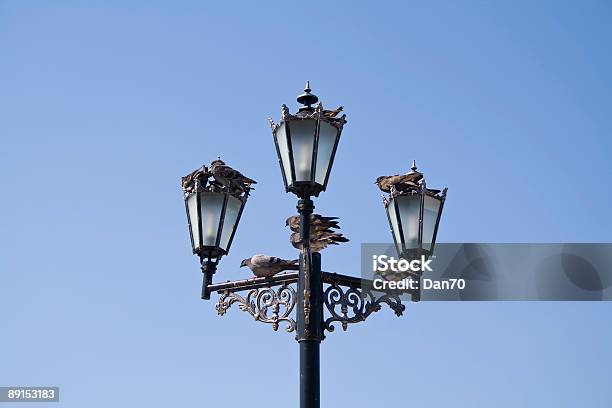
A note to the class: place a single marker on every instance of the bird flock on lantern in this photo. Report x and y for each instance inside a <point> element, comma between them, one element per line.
<point>403,183</point>
<point>216,178</point>
<point>215,196</point>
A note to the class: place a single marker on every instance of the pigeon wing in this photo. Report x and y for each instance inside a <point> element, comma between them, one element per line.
<point>264,260</point>
<point>229,173</point>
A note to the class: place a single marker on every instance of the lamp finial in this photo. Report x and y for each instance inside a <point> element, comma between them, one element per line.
<point>307,99</point>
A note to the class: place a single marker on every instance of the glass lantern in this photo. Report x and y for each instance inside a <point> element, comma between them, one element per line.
<point>306,144</point>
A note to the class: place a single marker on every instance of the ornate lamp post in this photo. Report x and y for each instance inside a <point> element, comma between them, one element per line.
<point>306,144</point>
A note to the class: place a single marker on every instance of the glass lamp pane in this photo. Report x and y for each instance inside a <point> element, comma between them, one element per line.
<point>409,209</point>
<point>394,226</point>
<point>430,216</point>
<point>192,208</point>
<point>229,223</point>
<point>210,211</point>
<point>327,139</point>
<point>281,140</point>
<point>302,144</point>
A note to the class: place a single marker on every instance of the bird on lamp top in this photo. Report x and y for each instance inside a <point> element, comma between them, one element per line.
<point>230,178</point>
<point>400,182</point>
<point>333,113</point>
<point>264,266</point>
<point>199,176</point>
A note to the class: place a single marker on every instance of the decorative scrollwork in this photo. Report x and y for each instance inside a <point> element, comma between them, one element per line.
<point>266,305</point>
<point>355,305</point>
<point>329,116</point>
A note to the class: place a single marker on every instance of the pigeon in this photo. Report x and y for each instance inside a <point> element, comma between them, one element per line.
<point>317,223</point>
<point>333,113</point>
<point>189,181</point>
<point>230,178</point>
<point>400,182</point>
<point>322,232</point>
<point>397,182</point>
<point>264,266</point>
<point>318,241</point>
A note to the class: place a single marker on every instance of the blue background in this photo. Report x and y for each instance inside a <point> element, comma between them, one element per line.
<point>104,105</point>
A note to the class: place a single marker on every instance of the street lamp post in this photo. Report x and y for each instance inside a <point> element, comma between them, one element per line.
<point>306,144</point>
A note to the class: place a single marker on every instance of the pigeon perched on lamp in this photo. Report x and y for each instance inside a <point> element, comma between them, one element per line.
<point>230,178</point>
<point>333,113</point>
<point>264,266</point>
<point>400,182</point>
<point>190,181</point>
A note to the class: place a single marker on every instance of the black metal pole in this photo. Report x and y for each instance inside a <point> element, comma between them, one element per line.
<point>309,374</point>
<point>208,270</point>
<point>309,312</point>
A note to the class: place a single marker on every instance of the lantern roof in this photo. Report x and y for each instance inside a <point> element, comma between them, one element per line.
<point>218,177</point>
<point>308,112</point>
<point>412,182</point>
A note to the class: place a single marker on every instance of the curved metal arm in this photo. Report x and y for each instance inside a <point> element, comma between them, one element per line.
<point>347,299</point>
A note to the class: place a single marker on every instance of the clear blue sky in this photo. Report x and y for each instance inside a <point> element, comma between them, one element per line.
<point>105,105</point>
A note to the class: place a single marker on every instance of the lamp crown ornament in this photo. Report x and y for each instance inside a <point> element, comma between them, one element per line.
<point>307,98</point>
